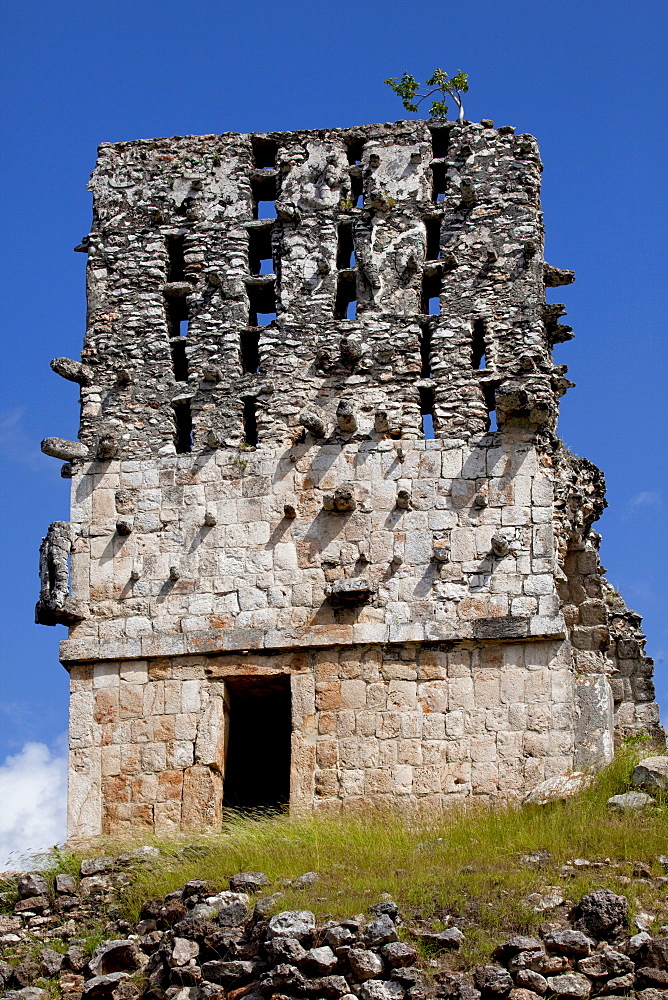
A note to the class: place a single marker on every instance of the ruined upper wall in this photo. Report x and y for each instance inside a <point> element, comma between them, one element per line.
<point>390,217</point>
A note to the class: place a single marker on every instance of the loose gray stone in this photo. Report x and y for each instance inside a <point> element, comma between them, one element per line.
<point>380,931</point>
<point>319,961</point>
<point>97,866</point>
<point>531,980</point>
<point>66,885</point>
<point>630,801</point>
<point>398,954</point>
<point>32,884</point>
<point>298,924</point>
<point>601,914</point>
<point>571,984</point>
<point>183,951</point>
<point>568,942</point>
<point>376,989</point>
<point>50,962</point>
<point>249,882</point>
<point>103,986</point>
<point>651,774</point>
<point>451,937</point>
<point>365,964</point>
<point>114,956</point>
<point>308,878</point>
<point>492,981</point>
<point>338,936</point>
<point>285,949</point>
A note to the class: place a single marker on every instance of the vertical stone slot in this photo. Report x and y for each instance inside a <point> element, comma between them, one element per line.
<point>433,228</point>
<point>439,182</point>
<point>427,400</point>
<point>345,306</point>
<point>345,252</point>
<point>183,435</point>
<point>179,359</point>
<point>261,304</point>
<point>250,351</point>
<point>176,308</point>
<point>264,152</point>
<point>425,350</point>
<point>430,303</point>
<point>250,420</point>
<point>478,345</point>
<point>440,142</point>
<point>260,258</point>
<point>489,392</point>
<point>263,189</point>
<point>176,257</point>
<point>354,151</point>
<point>257,767</point>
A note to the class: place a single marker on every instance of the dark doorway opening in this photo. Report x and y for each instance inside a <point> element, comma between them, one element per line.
<point>257,770</point>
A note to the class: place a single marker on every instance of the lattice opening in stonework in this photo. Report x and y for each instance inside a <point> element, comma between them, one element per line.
<point>260,255</point>
<point>427,403</point>
<point>433,229</point>
<point>479,345</point>
<point>345,249</point>
<point>183,427</point>
<point>440,142</point>
<point>264,190</point>
<point>430,302</point>
<point>261,304</point>
<point>439,181</point>
<point>250,421</point>
<point>264,152</point>
<point>345,306</point>
<point>250,351</point>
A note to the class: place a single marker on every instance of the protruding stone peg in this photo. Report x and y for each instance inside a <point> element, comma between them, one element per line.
<point>352,347</point>
<point>73,371</point>
<point>289,511</point>
<point>403,500</point>
<point>345,417</point>
<point>135,573</point>
<point>441,550</point>
<point>67,451</point>
<point>381,423</point>
<point>313,423</point>
<point>500,544</point>
<point>124,526</point>
<point>554,276</point>
<point>174,573</point>
<point>341,501</point>
<point>350,591</point>
<point>210,519</point>
<point>107,447</point>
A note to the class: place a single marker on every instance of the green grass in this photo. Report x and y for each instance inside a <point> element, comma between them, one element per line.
<point>464,863</point>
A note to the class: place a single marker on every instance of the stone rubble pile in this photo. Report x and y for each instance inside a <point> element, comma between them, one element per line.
<point>201,944</point>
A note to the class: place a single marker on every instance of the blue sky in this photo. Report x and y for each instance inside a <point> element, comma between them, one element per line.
<point>587,78</point>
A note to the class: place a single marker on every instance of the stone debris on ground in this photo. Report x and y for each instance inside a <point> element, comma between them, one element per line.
<point>201,943</point>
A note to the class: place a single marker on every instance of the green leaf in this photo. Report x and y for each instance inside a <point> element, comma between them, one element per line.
<point>439,109</point>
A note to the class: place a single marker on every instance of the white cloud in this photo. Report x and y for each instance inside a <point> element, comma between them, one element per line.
<point>648,498</point>
<point>33,790</point>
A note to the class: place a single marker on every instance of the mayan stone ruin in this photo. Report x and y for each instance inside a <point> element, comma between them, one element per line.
<point>325,546</point>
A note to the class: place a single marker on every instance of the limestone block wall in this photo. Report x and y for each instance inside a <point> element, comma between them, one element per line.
<point>414,726</point>
<point>207,559</point>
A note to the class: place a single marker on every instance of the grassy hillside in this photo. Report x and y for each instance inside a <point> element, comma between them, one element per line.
<point>471,865</point>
